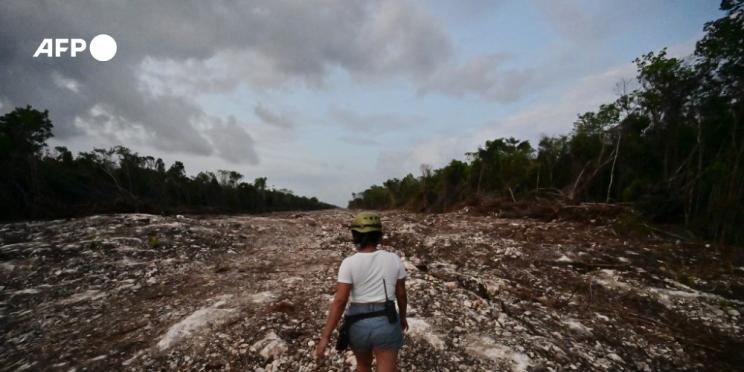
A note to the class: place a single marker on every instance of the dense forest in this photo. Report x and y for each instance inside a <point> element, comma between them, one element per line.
<point>38,182</point>
<point>673,147</point>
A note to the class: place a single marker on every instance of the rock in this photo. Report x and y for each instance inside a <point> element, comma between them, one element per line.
<point>420,328</point>
<point>351,360</point>
<point>270,346</point>
<point>579,328</point>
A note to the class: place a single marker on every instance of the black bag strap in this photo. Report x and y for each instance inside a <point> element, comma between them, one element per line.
<point>384,287</point>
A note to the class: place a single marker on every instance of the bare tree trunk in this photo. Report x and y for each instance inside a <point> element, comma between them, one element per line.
<point>34,186</point>
<point>512,194</point>
<point>614,161</point>
<point>480,177</point>
<point>572,193</point>
<point>693,204</point>
<point>116,182</point>
<point>577,186</point>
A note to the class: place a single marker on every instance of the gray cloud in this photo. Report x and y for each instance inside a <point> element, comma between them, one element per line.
<point>589,27</point>
<point>573,21</point>
<point>169,52</point>
<point>277,119</point>
<point>368,39</point>
<point>481,75</point>
<point>232,142</point>
<point>88,97</point>
<point>371,123</point>
<point>276,43</point>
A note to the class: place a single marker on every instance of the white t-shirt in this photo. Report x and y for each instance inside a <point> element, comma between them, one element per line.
<point>365,271</point>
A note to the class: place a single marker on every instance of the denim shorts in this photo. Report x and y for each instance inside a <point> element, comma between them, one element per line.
<point>376,332</point>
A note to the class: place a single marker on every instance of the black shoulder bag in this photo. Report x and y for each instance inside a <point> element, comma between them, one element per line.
<point>390,311</point>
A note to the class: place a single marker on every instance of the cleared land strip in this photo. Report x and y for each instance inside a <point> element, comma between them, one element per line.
<point>143,292</point>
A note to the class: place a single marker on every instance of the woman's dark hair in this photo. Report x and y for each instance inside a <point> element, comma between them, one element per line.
<point>365,239</point>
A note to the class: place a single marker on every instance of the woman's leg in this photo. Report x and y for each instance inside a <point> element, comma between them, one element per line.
<point>364,361</point>
<point>387,360</point>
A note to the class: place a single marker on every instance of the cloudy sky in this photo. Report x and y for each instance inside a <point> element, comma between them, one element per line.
<point>328,97</point>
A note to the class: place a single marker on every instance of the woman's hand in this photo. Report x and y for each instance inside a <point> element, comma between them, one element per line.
<point>334,315</point>
<point>320,349</point>
<point>404,323</point>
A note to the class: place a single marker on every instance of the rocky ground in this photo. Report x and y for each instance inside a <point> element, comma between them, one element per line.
<point>144,292</point>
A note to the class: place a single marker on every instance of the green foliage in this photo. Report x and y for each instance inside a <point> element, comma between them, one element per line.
<point>153,241</point>
<point>23,133</point>
<point>39,184</point>
<point>502,165</point>
<point>674,147</point>
<point>375,197</point>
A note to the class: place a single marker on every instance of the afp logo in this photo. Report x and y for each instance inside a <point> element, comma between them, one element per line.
<point>102,47</point>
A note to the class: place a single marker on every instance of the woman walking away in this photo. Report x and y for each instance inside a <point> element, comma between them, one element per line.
<point>371,325</point>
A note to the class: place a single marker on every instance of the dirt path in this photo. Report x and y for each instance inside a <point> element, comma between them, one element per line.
<point>143,292</point>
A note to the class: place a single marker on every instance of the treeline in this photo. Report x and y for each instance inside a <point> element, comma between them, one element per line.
<point>41,183</point>
<point>674,147</point>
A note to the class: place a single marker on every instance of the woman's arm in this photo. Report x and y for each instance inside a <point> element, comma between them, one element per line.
<point>334,315</point>
<point>402,297</point>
